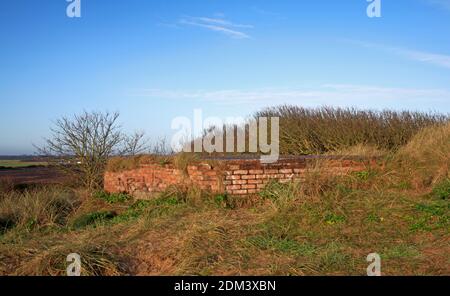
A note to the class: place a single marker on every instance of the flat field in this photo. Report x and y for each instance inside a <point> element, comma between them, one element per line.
<point>19,163</point>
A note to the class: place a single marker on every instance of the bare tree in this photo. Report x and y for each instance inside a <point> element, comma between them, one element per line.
<point>82,144</point>
<point>161,147</point>
<point>134,144</point>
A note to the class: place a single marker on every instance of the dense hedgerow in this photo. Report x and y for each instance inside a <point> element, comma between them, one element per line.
<point>323,225</point>
<point>306,131</point>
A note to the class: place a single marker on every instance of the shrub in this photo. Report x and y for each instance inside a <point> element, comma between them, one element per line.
<point>88,140</point>
<point>314,131</point>
<point>93,218</point>
<point>112,198</point>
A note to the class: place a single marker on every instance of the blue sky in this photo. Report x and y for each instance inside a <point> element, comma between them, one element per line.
<point>155,60</point>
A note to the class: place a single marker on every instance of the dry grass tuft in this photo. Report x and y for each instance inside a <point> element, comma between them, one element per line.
<point>322,225</point>
<point>179,160</point>
<point>182,160</point>
<point>48,256</point>
<point>426,158</point>
<point>321,130</point>
<point>118,164</point>
<point>37,208</point>
<point>361,150</point>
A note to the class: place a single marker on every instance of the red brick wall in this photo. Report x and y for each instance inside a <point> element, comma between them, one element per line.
<point>156,178</point>
<point>236,177</point>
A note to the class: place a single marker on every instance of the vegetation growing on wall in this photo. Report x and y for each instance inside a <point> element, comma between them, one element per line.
<point>322,225</point>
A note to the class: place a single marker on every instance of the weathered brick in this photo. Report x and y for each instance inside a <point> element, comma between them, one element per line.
<point>240,172</point>
<point>239,182</point>
<point>210,173</point>
<point>233,187</point>
<point>254,181</point>
<point>256,172</point>
<point>244,177</point>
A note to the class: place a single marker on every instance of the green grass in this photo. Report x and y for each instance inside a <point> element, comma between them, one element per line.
<point>93,219</point>
<point>332,219</point>
<point>112,198</point>
<point>429,216</point>
<point>133,212</point>
<point>304,234</point>
<point>442,190</point>
<point>20,164</point>
<point>400,251</point>
<point>323,225</point>
<point>283,245</point>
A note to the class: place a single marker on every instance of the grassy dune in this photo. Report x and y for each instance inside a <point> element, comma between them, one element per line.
<point>321,226</point>
<point>324,225</point>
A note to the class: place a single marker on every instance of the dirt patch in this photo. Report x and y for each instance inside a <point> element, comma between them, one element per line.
<point>32,175</point>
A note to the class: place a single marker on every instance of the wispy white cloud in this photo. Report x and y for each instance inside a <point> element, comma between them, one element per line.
<point>218,25</point>
<point>328,94</point>
<point>436,59</point>
<point>445,4</point>
<point>427,57</point>
<point>220,21</point>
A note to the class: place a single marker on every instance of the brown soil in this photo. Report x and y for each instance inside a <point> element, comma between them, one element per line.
<point>32,175</point>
